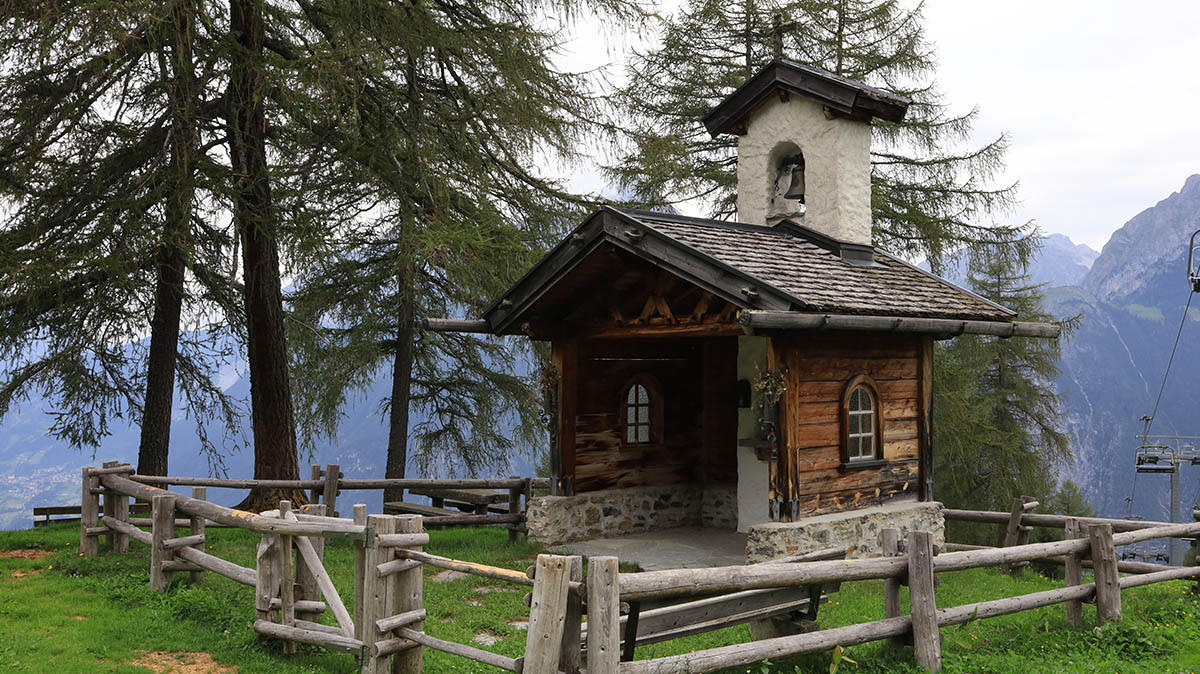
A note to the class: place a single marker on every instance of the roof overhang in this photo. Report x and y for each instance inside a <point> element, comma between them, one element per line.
<point>840,95</point>
<point>944,327</point>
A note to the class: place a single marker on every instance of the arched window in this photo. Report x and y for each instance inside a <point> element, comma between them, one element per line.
<point>862,429</point>
<point>641,412</point>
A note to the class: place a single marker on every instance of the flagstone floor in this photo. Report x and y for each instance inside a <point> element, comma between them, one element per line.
<point>683,548</point>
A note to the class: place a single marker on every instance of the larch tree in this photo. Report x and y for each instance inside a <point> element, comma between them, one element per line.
<point>931,191</point>
<point>100,124</point>
<point>999,425</point>
<point>435,122</point>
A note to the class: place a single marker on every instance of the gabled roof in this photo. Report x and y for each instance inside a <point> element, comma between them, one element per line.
<point>782,268</point>
<point>841,95</point>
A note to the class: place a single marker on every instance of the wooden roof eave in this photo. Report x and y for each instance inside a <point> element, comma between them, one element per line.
<point>942,328</point>
<point>608,225</point>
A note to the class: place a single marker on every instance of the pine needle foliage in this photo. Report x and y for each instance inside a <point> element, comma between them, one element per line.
<point>932,191</point>
<point>998,433</point>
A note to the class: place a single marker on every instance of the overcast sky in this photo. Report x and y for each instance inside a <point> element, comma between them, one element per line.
<point>1100,99</point>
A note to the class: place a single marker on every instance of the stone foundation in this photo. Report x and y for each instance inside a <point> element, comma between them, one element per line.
<point>553,520</point>
<point>857,530</point>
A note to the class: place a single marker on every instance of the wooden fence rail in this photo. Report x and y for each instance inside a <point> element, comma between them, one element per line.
<point>386,630</point>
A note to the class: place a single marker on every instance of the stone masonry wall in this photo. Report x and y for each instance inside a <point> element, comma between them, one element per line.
<point>857,530</point>
<point>561,519</point>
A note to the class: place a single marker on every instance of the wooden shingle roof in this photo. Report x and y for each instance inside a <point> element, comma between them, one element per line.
<point>784,268</point>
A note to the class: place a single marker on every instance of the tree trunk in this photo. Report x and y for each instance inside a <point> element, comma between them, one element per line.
<point>274,425</point>
<point>177,71</point>
<point>402,363</point>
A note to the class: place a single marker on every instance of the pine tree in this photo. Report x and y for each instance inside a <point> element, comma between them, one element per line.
<point>437,139</point>
<point>930,191</point>
<point>998,433</point>
<point>99,125</point>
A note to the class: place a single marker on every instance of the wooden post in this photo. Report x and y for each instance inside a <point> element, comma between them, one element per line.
<point>121,512</point>
<point>571,658</point>
<point>1074,576</point>
<point>307,588</point>
<point>927,640</point>
<point>266,575</point>
<point>547,614</point>
<point>333,473</point>
<point>360,518</point>
<point>287,580</point>
<point>162,518</point>
<point>377,592</point>
<point>890,541</point>
<point>1104,568</point>
<point>89,511</point>
<point>315,495</point>
<point>604,616</point>
<point>408,595</point>
<point>109,509</point>
<point>197,528</point>
<point>514,508</point>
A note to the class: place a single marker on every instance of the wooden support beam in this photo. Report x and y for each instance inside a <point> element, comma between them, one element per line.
<point>571,658</point>
<point>287,579</point>
<point>333,476</point>
<point>514,508</point>
<point>109,508</point>
<point>312,561</point>
<point>266,575</point>
<point>942,327</point>
<point>1104,567</point>
<point>408,597</point>
<point>307,587</point>
<point>890,540</point>
<point>547,614</point>
<point>604,616</point>
<point>89,513</point>
<point>306,635</point>
<point>1074,576</point>
<point>162,513</point>
<point>377,593</point>
<point>360,565</point>
<point>927,640</point>
<point>196,526</point>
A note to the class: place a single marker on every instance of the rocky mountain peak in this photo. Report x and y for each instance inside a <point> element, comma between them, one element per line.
<point>1154,239</point>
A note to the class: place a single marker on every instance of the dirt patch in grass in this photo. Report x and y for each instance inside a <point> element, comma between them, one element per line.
<point>23,574</point>
<point>181,663</point>
<point>32,554</point>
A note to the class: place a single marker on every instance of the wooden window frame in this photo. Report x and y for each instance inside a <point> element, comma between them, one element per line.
<point>656,411</point>
<point>844,414</point>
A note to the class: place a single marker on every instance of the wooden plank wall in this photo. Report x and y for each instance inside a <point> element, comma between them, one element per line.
<point>696,378</point>
<point>819,365</point>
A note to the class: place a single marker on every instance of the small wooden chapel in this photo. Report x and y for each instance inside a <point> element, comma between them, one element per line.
<point>764,374</point>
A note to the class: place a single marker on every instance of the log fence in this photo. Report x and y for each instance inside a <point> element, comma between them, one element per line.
<point>594,621</point>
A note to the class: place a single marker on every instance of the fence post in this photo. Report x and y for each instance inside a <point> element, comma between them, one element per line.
<point>333,473</point>
<point>266,575</point>
<point>890,542</point>
<point>315,494</point>
<point>1074,575</point>
<point>287,580</point>
<point>120,512</point>
<point>360,518</point>
<point>162,514</point>
<point>547,614</point>
<point>571,658</point>
<point>109,508</point>
<point>1104,568</point>
<point>514,507</point>
<point>1014,532</point>
<point>306,580</point>
<point>196,527</point>
<point>604,616</point>
<point>927,640</point>
<point>408,595</point>
<point>89,511</point>
<point>377,594</point>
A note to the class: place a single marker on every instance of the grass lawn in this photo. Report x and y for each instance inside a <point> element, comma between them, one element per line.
<point>62,613</point>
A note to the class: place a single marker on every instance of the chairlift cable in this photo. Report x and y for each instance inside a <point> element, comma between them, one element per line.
<point>1170,361</point>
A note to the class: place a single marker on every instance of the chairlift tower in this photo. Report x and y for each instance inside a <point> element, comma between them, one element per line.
<point>1166,454</point>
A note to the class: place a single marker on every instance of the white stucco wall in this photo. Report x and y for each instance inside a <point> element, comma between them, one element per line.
<point>837,156</point>
<point>752,474</point>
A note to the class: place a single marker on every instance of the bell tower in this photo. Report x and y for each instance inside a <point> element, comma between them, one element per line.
<point>804,148</point>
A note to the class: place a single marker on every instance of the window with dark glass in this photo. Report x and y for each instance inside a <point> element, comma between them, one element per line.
<point>637,415</point>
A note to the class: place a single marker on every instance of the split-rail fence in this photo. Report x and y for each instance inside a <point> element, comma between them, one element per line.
<point>386,629</point>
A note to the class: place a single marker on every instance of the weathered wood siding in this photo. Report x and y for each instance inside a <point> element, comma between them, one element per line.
<point>809,475</point>
<point>696,380</point>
